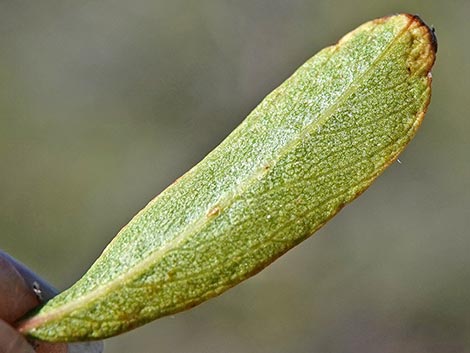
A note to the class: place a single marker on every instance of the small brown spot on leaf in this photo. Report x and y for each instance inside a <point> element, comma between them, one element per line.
<point>214,211</point>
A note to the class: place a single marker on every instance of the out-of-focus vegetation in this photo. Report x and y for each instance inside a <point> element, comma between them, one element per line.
<point>103,104</point>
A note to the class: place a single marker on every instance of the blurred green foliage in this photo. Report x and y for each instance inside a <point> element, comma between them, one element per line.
<point>103,104</point>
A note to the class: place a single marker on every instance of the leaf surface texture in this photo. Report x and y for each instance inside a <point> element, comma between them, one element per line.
<point>310,147</point>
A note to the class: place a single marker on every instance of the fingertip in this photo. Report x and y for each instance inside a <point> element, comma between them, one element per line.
<point>43,290</point>
<point>16,298</point>
<point>11,341</point>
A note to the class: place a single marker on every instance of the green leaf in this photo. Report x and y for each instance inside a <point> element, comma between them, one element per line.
<point>311,146</point>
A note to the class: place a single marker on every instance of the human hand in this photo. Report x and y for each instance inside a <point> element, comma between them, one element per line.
<point>21,290</point>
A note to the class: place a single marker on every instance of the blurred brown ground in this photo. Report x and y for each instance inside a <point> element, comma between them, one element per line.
<point>103,104</point>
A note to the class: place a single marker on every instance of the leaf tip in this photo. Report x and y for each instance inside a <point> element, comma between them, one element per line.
<point>423,43</point>
<point>428,31</point>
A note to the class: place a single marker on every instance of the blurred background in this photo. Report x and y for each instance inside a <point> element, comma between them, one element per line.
<point>105,103</point>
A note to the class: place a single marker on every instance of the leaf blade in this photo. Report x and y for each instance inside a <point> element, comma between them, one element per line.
<point>313,145</point>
